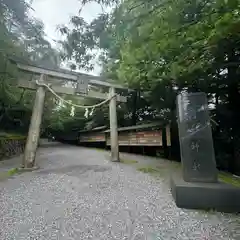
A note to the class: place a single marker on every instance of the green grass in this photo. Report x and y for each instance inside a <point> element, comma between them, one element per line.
<point>128,161</point>
<point>13,171</point>
<point>228,178</point>
<point>148,169</point>
<point>9,173</point>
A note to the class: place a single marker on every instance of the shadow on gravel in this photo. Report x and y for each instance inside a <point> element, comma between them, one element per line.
<point>74,170</point>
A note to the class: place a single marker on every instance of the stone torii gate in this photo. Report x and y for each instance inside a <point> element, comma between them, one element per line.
<point>29,73</point>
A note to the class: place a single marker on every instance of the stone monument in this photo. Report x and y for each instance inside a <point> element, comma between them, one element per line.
<point>199,186</point>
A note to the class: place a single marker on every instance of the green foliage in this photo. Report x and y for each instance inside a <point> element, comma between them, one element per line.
<point>22,38</point>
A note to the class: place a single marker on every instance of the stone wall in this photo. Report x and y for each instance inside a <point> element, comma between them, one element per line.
<point>11,146</point>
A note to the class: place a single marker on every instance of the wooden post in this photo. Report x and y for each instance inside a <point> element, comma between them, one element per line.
<point>113,126</point>
<point>34,129</point>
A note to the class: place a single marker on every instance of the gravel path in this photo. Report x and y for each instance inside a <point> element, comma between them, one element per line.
<point>79,194</point>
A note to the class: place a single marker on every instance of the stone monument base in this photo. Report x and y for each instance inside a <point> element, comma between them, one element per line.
<point>218,196</point>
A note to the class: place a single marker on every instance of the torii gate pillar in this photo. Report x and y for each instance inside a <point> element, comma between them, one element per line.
<point>34,129</point>
<point>113,125</point>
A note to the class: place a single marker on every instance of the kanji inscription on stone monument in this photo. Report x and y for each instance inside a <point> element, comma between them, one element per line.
<point>197,153</point>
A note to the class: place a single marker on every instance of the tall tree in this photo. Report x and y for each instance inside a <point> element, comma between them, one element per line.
<point>23,38</point>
